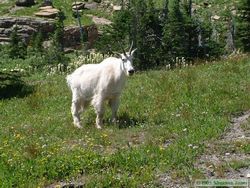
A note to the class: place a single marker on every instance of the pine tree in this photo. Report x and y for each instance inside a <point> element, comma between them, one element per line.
<point>243,34</point>
<point>138,30</point>
<point>17,48</point>
<point>175,41</point>
<point>55,54</point>
<point>191,30</point>
<point>36,43</point>
<point>146,31</point>
<point>14,40</point>
<point>115,34</point>
<point>59,32</point>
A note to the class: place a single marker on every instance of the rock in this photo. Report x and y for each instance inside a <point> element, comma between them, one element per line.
<point>72,35</point>
<point>25,3</point>
<point>4,40</point>
<point>47,12</point>
<point>117,8</point>
<point>78,5</point>
<point>45,7</point>
<point>47,3</point>
<point>92,34</point>
<point>215,17</point>
<point>100,21</point>
<point>91,6</point>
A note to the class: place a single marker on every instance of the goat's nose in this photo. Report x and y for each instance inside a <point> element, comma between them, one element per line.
<point>132,71</point>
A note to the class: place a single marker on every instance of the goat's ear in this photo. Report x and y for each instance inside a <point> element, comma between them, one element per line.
<point>133,51</point>
<point>120,56</point>
<point>117,54</point>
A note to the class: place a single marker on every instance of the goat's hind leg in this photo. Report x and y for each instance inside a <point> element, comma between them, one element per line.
<point>76,108</point>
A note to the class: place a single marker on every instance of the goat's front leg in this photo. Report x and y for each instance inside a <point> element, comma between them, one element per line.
<point>98,104</point>
<point>114,104</point>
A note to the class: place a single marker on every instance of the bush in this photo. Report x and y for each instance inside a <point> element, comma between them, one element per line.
<point>17,48</point>
<point>11,85</point>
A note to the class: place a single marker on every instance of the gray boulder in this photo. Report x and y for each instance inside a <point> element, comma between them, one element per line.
<point>91,6</point>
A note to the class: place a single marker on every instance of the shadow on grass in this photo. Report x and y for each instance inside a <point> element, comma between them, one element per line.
<point>125,121</point>
<point>11,85</point>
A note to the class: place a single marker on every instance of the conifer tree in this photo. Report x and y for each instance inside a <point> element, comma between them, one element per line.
<point>146,32</point>
<point>55,54</point>
<point>59,32</point>
<point>36,42</point>
<point>115,34</point>
<point>175,41</point>
<point>17,48</point>
<point>191,30</point>
<point>243,34</point>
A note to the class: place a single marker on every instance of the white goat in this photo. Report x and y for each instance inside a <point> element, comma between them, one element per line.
<point>97,83</point>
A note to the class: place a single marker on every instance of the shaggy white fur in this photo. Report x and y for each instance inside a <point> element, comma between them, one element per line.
<point>96,83</point>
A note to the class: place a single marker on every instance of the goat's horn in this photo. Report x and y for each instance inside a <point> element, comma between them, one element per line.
<point>131,47</point>
<point>122,49</point>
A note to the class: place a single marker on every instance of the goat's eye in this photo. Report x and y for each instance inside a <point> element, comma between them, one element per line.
<point>124,60</point>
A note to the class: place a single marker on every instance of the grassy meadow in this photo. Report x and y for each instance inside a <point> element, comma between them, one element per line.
<point>165,117</point>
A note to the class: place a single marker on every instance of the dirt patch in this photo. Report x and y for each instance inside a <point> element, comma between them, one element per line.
<point>227,160</point>
<point>222,158</point>
<point>235,131</point>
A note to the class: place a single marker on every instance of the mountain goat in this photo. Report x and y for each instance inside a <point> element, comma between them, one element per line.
<point>96,83</point>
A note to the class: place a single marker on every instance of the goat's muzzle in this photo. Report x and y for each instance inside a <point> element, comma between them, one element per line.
<point>131,72</point>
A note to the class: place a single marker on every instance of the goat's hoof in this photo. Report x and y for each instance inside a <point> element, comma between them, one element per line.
<point>78,126</point>
<point>98,127</point>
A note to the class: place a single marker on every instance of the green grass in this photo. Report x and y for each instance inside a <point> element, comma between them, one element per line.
<point>180,107</point>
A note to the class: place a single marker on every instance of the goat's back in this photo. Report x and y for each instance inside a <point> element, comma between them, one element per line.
<point>104,78</point>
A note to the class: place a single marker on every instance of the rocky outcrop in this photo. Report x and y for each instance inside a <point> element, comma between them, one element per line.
<point>26,27</point>
<point>72,35</point>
